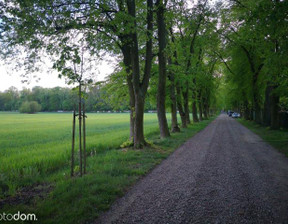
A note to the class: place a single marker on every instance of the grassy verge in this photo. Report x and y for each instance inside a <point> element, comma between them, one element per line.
<point>276,138</point>
<point>110,174</point>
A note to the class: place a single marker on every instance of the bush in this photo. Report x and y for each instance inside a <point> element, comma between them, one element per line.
<point>30,107</point>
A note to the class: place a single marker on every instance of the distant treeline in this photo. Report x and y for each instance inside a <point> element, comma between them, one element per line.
<point>58,98</point>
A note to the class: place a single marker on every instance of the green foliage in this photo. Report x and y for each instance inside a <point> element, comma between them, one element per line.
<point>30,107</point>
<point>254,50</point>
<point>127,144</point>
<point>116,90</point>
<point>62,99</point>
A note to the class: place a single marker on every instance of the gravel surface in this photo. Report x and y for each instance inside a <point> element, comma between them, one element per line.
<point>224,174</point>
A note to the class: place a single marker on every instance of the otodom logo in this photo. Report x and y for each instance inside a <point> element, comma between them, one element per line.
<point>17,217</point>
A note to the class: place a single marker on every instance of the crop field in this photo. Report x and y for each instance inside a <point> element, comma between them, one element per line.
<point>33,145</point>
<point>35,152</point>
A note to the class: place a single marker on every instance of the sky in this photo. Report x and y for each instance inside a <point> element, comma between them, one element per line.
<point>47,80</point>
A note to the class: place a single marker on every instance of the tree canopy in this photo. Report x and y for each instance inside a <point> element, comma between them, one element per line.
<point>173,55</point>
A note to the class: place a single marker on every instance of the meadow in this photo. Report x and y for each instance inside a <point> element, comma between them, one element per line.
<point>33,145</point>
<point>35,152</point>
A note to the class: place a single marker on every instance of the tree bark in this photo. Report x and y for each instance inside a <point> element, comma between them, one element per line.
<point>257,110</point>
<point>205,109</point>
<point>191,52</point>
<point>139,140</point>
<point>180,107</point>
<point>255,71</point>
<point>267,106</point>
<point>194,102</point>
<point>132,107</point>
<point>194,111</point>
<point>275,122</point>
<point>126,51</point>
<point>174,123</point>
<point>275,109</point>
<point>200,110</point>
<point>186,103</point>
<point>140,87</point>
<point>205,100</point>
<point>176,100</point>
<point>246,112</point>
<point>200,106</point>
<point>161,93</point>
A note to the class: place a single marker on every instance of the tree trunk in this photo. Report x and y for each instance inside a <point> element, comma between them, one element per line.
<point>200,110</point>
<point>258,118</point>
<point>267,106</point>
<point>140,88</point>
<point>246,111</point>
<point>275,111</point>
<point>126,51</point>
<point>256,106</point>
<point>186,104</point>
<point>179,105</point>
<point>139,140</point>
<point>200,105</point>
<point>178,88</point>
<point>256,71</point>
<point>194,102</point>
<point>258,115</point>
<point>161,93</point>
<point>132,109</point>
<point>194,111</point>
<point>174,123</point>
<point>205,107</point>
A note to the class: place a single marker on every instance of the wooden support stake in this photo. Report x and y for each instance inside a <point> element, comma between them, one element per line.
<point>73,144</point>
<point>80,131</point>
<point>84,138</point>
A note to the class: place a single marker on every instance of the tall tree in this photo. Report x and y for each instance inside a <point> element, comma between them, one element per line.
<point>107,25</point>
<point>161,94</point>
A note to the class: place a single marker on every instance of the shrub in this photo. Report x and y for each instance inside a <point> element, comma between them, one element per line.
<point>30,107</point>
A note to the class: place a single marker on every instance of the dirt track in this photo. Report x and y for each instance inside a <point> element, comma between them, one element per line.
<point>224,174</point>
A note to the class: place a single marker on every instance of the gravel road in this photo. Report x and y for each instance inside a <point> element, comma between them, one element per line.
<point>224,174</point>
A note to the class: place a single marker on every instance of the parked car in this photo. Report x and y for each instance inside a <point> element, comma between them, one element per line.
<point>235,115</point>
<point>230,112</point>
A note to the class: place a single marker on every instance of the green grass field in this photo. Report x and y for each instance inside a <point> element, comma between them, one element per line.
<point>33,145</point>
<point>35,153</point>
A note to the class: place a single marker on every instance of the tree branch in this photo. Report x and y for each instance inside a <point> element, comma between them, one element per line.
<point>222,59</point>
<point>149,55</point>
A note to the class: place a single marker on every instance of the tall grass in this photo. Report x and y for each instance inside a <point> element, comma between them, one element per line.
<point>34,145</point>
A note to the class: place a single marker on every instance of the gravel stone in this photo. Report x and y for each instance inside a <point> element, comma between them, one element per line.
<point>224,174</point>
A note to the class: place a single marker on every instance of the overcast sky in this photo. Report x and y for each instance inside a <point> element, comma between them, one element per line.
<point>46,79</point>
